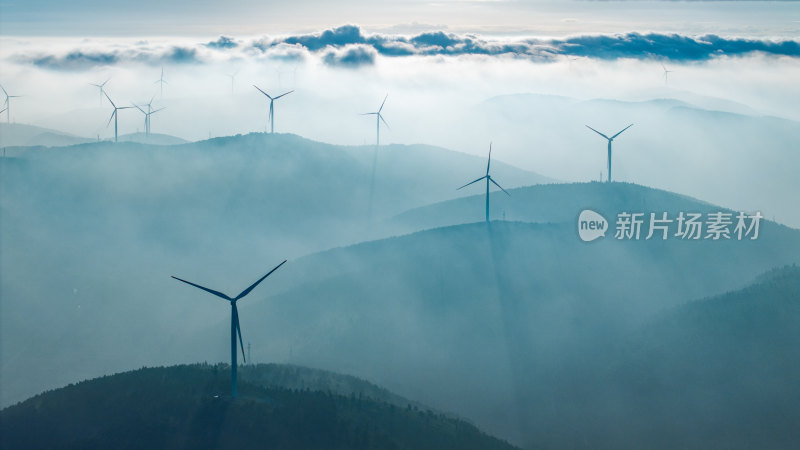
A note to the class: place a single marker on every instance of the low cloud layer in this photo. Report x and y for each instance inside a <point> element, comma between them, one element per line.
<point>349,46</point>
<point>87,59</point>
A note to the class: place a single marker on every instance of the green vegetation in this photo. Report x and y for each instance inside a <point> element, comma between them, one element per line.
<point>187,407</point>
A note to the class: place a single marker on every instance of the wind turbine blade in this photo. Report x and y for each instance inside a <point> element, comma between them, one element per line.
<point>104,82</point>
<point>601,134</point>
<point>368,114</point>
<point>210,291</point>
<point>612,137</point>
<point>501,187</point>
<point>4,90</point>
<point>383,103</point>
<point>285,93</point>
<point>109,99</point>
<point>98,85</point>
<point>384,122</point>
<point>111,118</point>
<point>259,89</point>
<point>238,329</point>
<point>490,159</point>
<point>157,110</point>
<point>472,182</point>
<point>140,109</point>
<point>247,291</point>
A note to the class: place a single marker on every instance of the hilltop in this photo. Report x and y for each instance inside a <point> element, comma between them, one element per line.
<point>187,407</point>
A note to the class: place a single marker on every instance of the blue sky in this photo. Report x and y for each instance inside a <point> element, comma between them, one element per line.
<point>151,17</point>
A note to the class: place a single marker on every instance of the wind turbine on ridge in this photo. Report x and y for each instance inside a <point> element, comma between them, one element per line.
<point>489,179</point>
<point>235,328</point>
<point>271,116</point>
<point>115,115</point>
<point>378,119</point>
<point>610,140</point>
<point>147,115</point>
<point>101,86</point>
<point>8,104</point>
<point>161,81</point>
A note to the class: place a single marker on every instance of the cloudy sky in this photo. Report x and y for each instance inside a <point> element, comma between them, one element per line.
<point>542,17</point>
<point>439,62</point>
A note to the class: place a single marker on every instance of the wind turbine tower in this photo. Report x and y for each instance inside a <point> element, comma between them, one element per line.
<point>115,114</point>
<point>666,73</point>
<point>488,179</point>
<point>271,116</point>
<point>232,77</point>
<point>235,328</point>
<point>610,140</point>
<point>161,81</point>
<point>147,115</point>
<point>378,119</point>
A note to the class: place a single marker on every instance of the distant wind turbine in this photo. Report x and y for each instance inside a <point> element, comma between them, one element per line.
<point>232,76</point>
<point>114,115</point>
<point>489,179</point>
<point>378,119</point>
<point>666,73</point>
<point>102,90</point>
<point>8,103</point>
<point>271,116</point>
<point>147,115</point>
<point>235,329</point>
<point>610,140</point>
<point>161,81</point>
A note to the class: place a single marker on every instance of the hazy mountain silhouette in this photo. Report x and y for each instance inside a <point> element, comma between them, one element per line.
<point>714,373</point>
<point>152,139</point>
<point>504,324</point>
<point>18,134</point>
<point>713,154</point>
<point>552,203</point>
<point>508,325</point>
<point>187,407</point>
<point>110,223</point>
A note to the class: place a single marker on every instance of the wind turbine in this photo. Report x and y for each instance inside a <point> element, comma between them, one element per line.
<point>378,119</point>
<point>610,140</point>
<point>271,116</point>
<point>232,76</point>
<point>101,86</point>
<point>489,179</point>
<point>666,73</point>
<point>147,115</point>
<point>161,81</point>
<point>8,103</point>
<point>114,114</point>
<point>235,329</point>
